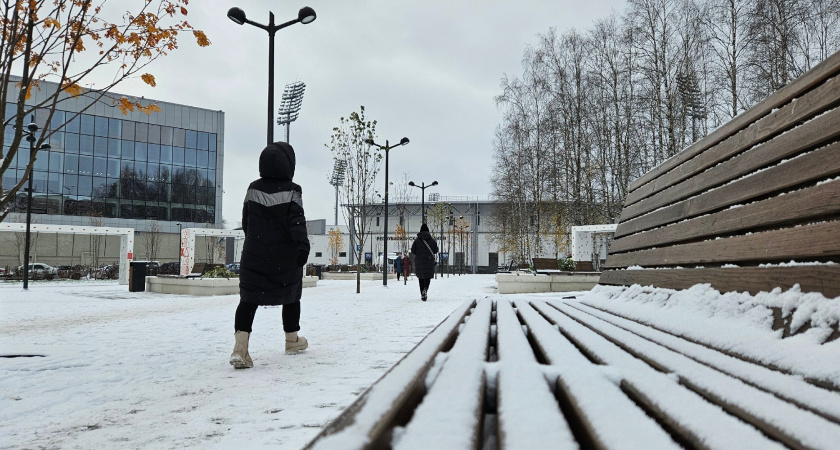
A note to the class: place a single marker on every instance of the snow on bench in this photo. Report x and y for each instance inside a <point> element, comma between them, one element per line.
<point>555,373</point>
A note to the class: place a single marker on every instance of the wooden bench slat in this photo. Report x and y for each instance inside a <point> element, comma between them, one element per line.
<point>399,387</point>
<point>807,136</point>
<point>799,206</point>
<point>790,388</point>
<point>607,414</point>
<point>807,241</point>
<point>810,104</point>
<point>522,387</point>
<point>814,166</point>
<point>697,420</point>
<point>777,418</point>
<point>818,74</point>
<point>457,393</point>
<point>822,278</point>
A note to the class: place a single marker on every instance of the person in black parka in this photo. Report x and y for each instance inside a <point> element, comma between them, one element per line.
<point>276,249</point>
<point>424,250</point>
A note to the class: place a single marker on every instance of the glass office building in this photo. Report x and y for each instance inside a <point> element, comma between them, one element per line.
<point>128,170</point>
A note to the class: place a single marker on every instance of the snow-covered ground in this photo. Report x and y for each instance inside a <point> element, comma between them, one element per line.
<point>144,370</point>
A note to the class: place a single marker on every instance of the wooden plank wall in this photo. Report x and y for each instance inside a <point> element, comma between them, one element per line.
<point>757,193</point>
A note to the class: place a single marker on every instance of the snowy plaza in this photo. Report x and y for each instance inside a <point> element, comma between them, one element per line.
<point>142,370</point>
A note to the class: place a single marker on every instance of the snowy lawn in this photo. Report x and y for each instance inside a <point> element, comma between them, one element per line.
<point>132,370</point>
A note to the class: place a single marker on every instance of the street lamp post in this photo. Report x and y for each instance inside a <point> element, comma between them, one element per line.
<point>305,16</point>
<point>30,137</point>
<point>179,247</point>
<point>386,147</point>
<point>423,196</point>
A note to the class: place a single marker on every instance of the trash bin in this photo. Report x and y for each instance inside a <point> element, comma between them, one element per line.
<point>137,276</point>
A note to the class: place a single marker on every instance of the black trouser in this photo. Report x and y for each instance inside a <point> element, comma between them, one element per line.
<point>398,275</point>
<point>245,316</point>
<point>424,284</point>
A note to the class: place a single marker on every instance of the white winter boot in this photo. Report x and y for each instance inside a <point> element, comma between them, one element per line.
<point>295,343</point>
<point>240,359</point>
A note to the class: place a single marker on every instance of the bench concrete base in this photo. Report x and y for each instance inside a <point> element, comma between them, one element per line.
<point>202,286</point>
<point>511,283</point>
<point>367,276</point>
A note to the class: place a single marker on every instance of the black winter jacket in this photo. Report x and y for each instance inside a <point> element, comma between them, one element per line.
<point>424,260</point>
<point>276,243</point>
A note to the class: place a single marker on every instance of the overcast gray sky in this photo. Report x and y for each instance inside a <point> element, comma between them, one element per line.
<point>427,70</point>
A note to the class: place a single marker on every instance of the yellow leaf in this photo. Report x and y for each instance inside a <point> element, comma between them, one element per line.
<point>148,79</point>
<point>201,38</point>
<point>73,89</point>
<point>51,22</point>
<point>125,105</point>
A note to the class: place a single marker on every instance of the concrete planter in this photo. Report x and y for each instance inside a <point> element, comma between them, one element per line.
<point>202,286</point>
<point>367,276</point>
<point>523,283</point>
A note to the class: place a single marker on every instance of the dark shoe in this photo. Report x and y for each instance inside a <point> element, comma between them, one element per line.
<point>424,295</point>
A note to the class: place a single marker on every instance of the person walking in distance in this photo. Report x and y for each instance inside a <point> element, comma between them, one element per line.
<point>424,250</point>
<point>406,268</point>
<point>398,267</point>
<point>276,249</point>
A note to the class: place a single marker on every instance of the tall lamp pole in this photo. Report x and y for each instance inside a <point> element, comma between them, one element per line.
<point>305,15</point>
<point>423,196</point>
<point>30,137</point>
<point>386,147</point>
<point>179,247</point>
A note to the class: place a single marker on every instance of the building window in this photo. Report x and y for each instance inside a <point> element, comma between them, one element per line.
<point>317,254</point>
<point>342,255</point>
<point>377,221</point>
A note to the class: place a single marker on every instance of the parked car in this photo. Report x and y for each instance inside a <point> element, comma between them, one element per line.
<point>40,270</point>
<point>233,268</point>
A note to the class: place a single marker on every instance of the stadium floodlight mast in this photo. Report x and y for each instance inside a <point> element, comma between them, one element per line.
<point>290,105</point>
<point>386,147</point>
<point>305,16</point>
<point>337,178</point>
<point>30,131</point>
<point>423,187</point>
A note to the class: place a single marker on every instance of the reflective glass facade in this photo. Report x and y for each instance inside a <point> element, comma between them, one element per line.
<point>119,168</point>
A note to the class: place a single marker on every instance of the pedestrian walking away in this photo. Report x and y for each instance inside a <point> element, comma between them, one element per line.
<point>276,249</point>
<point>406,268</point>
<point>398,265</point>
<point>424,250</point>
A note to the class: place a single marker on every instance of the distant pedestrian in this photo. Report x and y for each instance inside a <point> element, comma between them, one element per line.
<point>406,268</point>
<point>398,265</point>
<point>276,249</point>
<point>424,250</point>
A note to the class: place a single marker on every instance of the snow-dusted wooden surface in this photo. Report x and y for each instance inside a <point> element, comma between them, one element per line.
<point>545,372</point>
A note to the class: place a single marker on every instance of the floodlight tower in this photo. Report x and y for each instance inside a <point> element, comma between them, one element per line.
<point>336,179</point>
<point>290,105</point>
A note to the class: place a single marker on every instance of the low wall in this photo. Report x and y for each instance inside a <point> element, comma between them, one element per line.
<point>370,276</point>
<point>523,283</point>
<point>203,286</point>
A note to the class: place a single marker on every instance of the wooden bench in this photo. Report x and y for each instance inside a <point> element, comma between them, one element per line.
<point>729,210</point>
<point>545,265</point>
<point>551,374</point>
<point>758,192</point>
